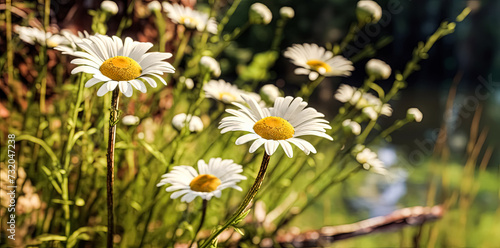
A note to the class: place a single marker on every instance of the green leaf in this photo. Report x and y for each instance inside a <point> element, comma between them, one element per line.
<point>240,218</point>
<point>42,143</point>
<point>240,231</point>
<point>82,233</point>
<point>61,201</point>
<point>214,243</point>
<point>51,237</point>
<point>157,154</point>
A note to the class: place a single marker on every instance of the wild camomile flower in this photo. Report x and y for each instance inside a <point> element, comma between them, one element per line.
<point>190,18</point>
<point>260,14</point>
<point>211,65</point>
<point>122,64</point>
<point>368,11</point>
<point>352,95</point>
<point>313,60</point>
<point>33,35</point>
<point>351,126</point>
<point>414,114</point>
<point>222,91</point>
<point>130,120</point>
<point>270,92</point>
<point>287,12</point>
<point>110,7</point>
<point>206,182</point>
<point>280,125</point>
<point>378,69</point>
<point>194,122</point>
<point>370,161</point>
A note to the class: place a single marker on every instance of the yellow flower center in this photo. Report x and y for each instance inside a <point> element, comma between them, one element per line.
<point>121,68</point>
<point>319,66</point>
<point>274,128</point>
<point>205,183</point>
<point>227,96</point>
<point>188,21</point>
<point>51,43</point>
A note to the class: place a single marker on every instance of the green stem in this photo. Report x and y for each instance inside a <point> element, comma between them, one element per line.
<point>10,50</point>
<point>182,47</point>
<point>244,204</point>
<point>203,215</point>
<point>67,155</point>
<point>353,30</point>
<point>43,87</point>
<point>368,129</point>
<point>160,25</point>
<point>280,26</point>
<point>397,125</point>
<point>228,15</point>
<point>307,89</point>
<point>287,220</point>
<point>124,23</point>
<point>113,118</point>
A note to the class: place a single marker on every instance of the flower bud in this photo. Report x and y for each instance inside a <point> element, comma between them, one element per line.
<point>378,69</point>
<point>287,12</point>
<point>368,12</point>
<point>414,114</point>
<point>110,7</point>
<point>370,113</point>
<point>194,122</point>
<point>260,14</point>
<point>351,127</point>
<point>211,65</point>
<point>130,120</point>
<point>270,92</point>
<point>154,6</point>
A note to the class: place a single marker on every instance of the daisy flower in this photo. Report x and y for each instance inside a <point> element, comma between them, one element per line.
<point>280,125</point>
<point>314,61</point>
<point>222,91</point>
<point>190,18</point>
<point>33,35</point>
<point>370,161</point>
<point>206,182</point>
<point>117,63</point>
<point>352,95</point>
<point>71,46</point>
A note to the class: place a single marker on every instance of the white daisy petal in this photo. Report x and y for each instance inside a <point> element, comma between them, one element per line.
<point>190,18</point>
<point>313,60</point>
<point>256,144</point>
<point>112,60</point>
<point>92,82</point>
<point>277,126</point>
<point>217,175</point>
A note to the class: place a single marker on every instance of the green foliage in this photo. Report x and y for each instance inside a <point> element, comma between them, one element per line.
<point>62,152</point>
